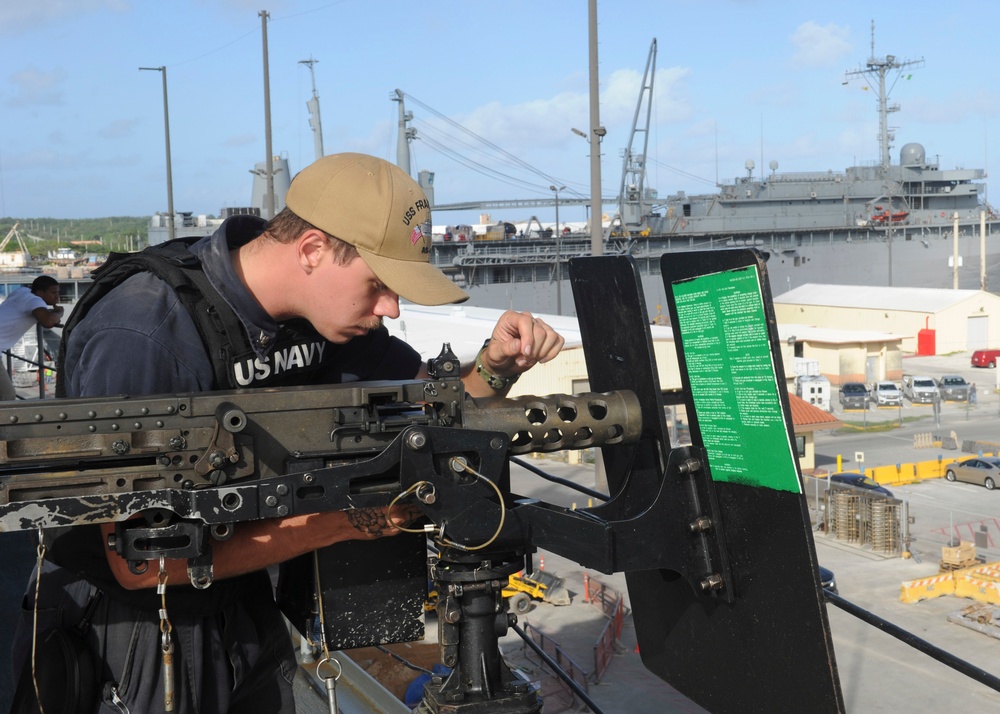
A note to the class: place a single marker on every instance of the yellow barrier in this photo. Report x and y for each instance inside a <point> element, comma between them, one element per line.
<point>896,474</point>
<point>902,474</point>
<point>990,571</point>
<point>987,591</point>
<point>980,583</point>
<point>927,588</point>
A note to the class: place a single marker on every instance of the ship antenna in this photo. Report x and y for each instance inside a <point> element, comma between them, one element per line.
<point>876,70</point>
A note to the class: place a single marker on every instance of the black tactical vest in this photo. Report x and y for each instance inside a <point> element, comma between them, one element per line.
<point>299,354</point>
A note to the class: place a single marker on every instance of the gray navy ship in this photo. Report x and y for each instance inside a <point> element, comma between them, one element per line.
<point>886,223</point>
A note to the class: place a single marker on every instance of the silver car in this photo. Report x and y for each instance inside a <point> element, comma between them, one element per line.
<point>982,472</point>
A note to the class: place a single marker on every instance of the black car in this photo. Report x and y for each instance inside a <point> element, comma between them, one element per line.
<point>827,580</point>
<point>853,395</point>
<point>860,481</point>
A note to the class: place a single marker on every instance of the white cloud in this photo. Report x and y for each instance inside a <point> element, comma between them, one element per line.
<point>17,17</point>
<point>35,87</point>
<point>820,45</point>
<point>119,128</point>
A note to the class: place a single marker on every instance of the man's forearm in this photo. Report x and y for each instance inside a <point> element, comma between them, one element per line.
<point>259,544</point>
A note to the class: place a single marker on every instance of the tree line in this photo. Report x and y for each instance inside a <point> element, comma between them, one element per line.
<point>85,236</point>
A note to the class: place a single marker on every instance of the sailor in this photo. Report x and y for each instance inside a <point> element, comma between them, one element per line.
<point>298,300</point>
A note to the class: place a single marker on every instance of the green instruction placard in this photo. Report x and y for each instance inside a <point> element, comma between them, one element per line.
<point>733,383</point>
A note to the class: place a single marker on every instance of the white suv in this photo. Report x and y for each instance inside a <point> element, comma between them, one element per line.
<point>886,394</point>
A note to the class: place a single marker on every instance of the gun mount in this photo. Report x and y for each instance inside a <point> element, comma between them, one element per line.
<point>693,527</point>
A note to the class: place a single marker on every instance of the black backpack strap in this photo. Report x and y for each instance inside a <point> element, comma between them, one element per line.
<point>172,262</point>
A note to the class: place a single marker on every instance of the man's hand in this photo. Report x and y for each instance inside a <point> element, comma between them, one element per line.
<point>519,342</point>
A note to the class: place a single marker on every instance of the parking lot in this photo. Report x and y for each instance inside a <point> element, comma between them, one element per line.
<point>986,381</point>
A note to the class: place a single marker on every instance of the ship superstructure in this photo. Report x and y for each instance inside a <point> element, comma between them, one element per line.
<point>909,223</point>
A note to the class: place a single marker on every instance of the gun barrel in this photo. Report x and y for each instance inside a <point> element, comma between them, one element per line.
<point>560,421</point>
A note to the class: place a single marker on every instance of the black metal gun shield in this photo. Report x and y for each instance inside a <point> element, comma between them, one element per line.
<point>765,646</point>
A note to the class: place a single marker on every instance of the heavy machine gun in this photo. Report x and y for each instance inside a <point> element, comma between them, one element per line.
<point>695,528</point>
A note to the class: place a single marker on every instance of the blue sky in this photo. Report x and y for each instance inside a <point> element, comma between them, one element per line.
<point>81,133</point>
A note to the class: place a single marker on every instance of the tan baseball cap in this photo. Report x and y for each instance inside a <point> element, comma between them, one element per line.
<point>373,205</point>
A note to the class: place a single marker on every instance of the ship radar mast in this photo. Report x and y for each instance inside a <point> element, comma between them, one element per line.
<point>313,106</point>
<point>876,70</point>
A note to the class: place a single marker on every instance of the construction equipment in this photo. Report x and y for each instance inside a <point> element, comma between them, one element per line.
<point>521,589</point>
<point>14,260</point>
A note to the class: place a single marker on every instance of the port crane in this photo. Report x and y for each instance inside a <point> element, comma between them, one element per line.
<point>14,233</point>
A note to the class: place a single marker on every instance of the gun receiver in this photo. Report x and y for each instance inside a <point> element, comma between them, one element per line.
<point>211,461</point>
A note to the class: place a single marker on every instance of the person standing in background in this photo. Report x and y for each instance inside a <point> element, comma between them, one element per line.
<point>22,309</point>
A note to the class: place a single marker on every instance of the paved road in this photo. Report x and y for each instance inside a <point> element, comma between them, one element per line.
<point>878,673</point>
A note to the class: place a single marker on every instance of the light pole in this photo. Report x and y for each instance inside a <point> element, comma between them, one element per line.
<point>556,191</point>
<point>166,131</point>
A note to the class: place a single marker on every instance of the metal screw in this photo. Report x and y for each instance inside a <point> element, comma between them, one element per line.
<point>416,440</point>
<point>120,447</point>
<point>217,459</point>
<point>712,582</point>
<point>177,443</point>
<point>426,494</point>
<point>281,489</point>
<point>689,466</point>
<point>282,510</point>
<point>271,501</point>
<point>700,524</point>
